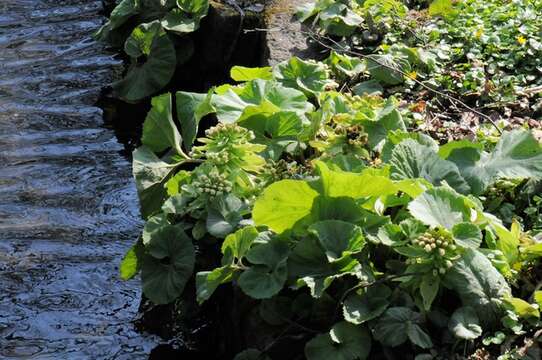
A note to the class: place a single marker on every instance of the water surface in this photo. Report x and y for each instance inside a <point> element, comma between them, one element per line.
<point>68,207</point>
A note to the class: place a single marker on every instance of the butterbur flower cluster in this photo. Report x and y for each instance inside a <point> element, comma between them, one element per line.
<point>229,147</point>
<point>440,248</point>
<point>221,138</point>
<point>212,184</point>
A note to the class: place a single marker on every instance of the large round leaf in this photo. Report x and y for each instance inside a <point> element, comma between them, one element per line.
<point>153,62</point>
<point>343,342</point>
<point>168,264</point>
<point>465,324</point>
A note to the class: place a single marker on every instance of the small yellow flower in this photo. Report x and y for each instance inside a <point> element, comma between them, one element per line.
<point>521,40</point>
<point>478,34</point>
<point>412,75</point>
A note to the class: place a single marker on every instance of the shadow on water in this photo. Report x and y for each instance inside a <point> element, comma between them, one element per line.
<point>68,206</point>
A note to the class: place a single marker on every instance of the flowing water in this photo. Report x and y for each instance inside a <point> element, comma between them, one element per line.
<point>68,207</point>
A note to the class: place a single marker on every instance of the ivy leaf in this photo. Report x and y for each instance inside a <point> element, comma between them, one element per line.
<point>309,76</point>
<point>410,160</point>
<point>517,155</point>
<point>338,238</point>
<point>467,235</point>
<point>191,108</point>
<point>151,175</point>
<point>465,324</point>
<point>159,130</point>
<point>168,265</point>
<point>399,324</point>
<point>241,73</point>
<point>151,43</point>
<point>478,285</point>
<point>283,204</point>
<point>231,104</point>
<point>358,309</point>
<point>208,281</point>
<point>344,341</point>
<point>269,272</point>
<point>440,206</point>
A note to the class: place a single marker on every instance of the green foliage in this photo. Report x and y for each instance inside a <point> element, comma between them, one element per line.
<point>340,223</point>
<point>153,34</point>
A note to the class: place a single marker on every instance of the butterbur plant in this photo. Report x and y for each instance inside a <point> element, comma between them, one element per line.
<point>333,223</point>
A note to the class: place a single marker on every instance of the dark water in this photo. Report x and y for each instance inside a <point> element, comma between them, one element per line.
<point>67,202</point>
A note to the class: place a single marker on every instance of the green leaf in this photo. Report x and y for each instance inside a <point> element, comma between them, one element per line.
<point>443,8</point>
<point>344,341</point>
<point>369,87</point>
<point>268,274</point>
<point>159,130</point>
<point>467,235</point>
<point>340,183</point>
<point>241,73</point>
<point>338,238</point>
<point>224,215</point>
<point>309,76</point>
<point>410,160</point>
<point>538,297</point>
<point>122,13</point>
<point>230,105</point>
<point>283,204</point>
<point>429,289</point>
<point>446,150</point>
<point>168,265</point>
<point>386,69</point>
<point>517,155</point>
<point>153,224</point>
<point>345,66</point>
<point>440,206</point>
<point>187,17</point>
<point>478,285</point>
<point>130,264</point>
<point>308,264</point>
<point>522,308</point>
<point>151,175</point>
<point>236,245</point>
<point>144,78</point>
<point>399,324</point>
<point>276,131</point>
<point>358,309</point>
<point>191,108</point>
<point>335,208</point>
<point>388,119</point>
<point>465,324</point>
<point>208,281</point>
